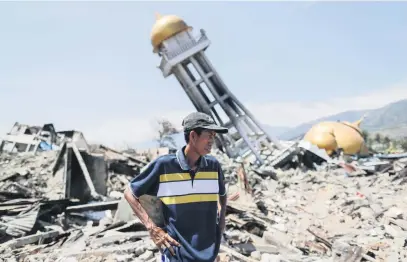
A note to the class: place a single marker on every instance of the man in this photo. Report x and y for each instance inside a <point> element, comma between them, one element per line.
<point>189,184</point>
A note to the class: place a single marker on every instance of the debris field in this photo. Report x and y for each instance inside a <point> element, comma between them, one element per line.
<point>67,205</point>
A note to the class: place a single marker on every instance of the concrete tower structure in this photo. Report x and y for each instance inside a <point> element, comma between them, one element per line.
<point>183,55</point>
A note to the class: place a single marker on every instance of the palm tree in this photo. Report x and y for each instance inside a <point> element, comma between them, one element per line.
<point>377,138</point>
<point>403,144</point>
<point>365,135</point>
<point>386,140</point>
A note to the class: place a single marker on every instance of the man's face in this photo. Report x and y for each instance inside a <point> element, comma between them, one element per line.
<point>203,143</point>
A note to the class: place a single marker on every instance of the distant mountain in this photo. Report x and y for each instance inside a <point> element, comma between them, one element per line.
<point>275,130</point>
<point>390,120</point>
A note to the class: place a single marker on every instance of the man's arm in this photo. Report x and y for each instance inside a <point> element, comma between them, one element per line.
<point>222,199</point>
<point>138,209</point>
<point>222,215</point>
<point>147,183</point>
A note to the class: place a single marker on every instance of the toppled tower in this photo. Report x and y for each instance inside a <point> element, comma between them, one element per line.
<point>183,56</point>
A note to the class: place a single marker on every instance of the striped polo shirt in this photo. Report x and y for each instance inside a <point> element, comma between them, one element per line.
<point>189,203</point>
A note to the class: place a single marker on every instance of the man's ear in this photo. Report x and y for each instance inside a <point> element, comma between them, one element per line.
<point>193,136</point>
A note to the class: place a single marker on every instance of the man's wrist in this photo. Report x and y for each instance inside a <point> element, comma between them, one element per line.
<point>223,210</point>
<point>149,224</point>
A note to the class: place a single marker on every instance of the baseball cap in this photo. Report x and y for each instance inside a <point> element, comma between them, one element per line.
<point>202,120</point>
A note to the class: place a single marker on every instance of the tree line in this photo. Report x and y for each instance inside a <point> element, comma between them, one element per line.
<point>377,138</point>
<point>167,130</point>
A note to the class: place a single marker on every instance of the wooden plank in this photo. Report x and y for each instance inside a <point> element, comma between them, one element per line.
<point>85,171</point>
<point>22,241</point>
<point>99,206</point>
<point>124,154</point>
<point>59,158</point>
<point>67,171</point>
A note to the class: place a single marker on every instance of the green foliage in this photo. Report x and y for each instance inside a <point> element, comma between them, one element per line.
<point>377,138</point>
<point>384,143</point>
<point>365,135</point>
<point>403,144</point>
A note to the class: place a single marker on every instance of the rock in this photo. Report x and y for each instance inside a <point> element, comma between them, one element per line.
<point>270,258</point>
<point>147,255</point>
<point>256,255</point>
<point>69,259</point>
<point>280,227</point>
<point>140,250</point>
<point>394,212</point>
<point>124,258</point>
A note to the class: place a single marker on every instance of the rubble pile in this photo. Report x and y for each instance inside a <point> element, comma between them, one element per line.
<point>25,175</point>
<point>347,209</point>
<point>39,223</point>
<point>308,215</point>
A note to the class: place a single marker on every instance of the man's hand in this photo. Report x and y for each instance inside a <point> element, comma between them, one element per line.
<point>222,224</point>
<point>222,213</point>
<point>160,238</point>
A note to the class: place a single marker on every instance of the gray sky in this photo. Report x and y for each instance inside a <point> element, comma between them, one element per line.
<point>89,65</point>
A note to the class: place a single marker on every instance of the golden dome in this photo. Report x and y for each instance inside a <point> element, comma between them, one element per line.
<point>335,135</point>
<point>166,27</point>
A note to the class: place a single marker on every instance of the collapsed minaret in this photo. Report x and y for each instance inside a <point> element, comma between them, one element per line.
<point>183,56</point>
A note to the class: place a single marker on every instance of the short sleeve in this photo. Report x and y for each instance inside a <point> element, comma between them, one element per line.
<point>221,179</point>
<point>146,183</point>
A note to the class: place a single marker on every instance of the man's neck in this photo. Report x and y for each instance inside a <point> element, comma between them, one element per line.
<point>191,156</point>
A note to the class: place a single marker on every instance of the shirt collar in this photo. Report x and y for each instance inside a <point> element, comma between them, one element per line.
<point>183,162</point>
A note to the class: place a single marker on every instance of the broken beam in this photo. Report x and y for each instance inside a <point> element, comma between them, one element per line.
<point>22,241</point>
<point>85,171</point>
<point>99,206</point>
